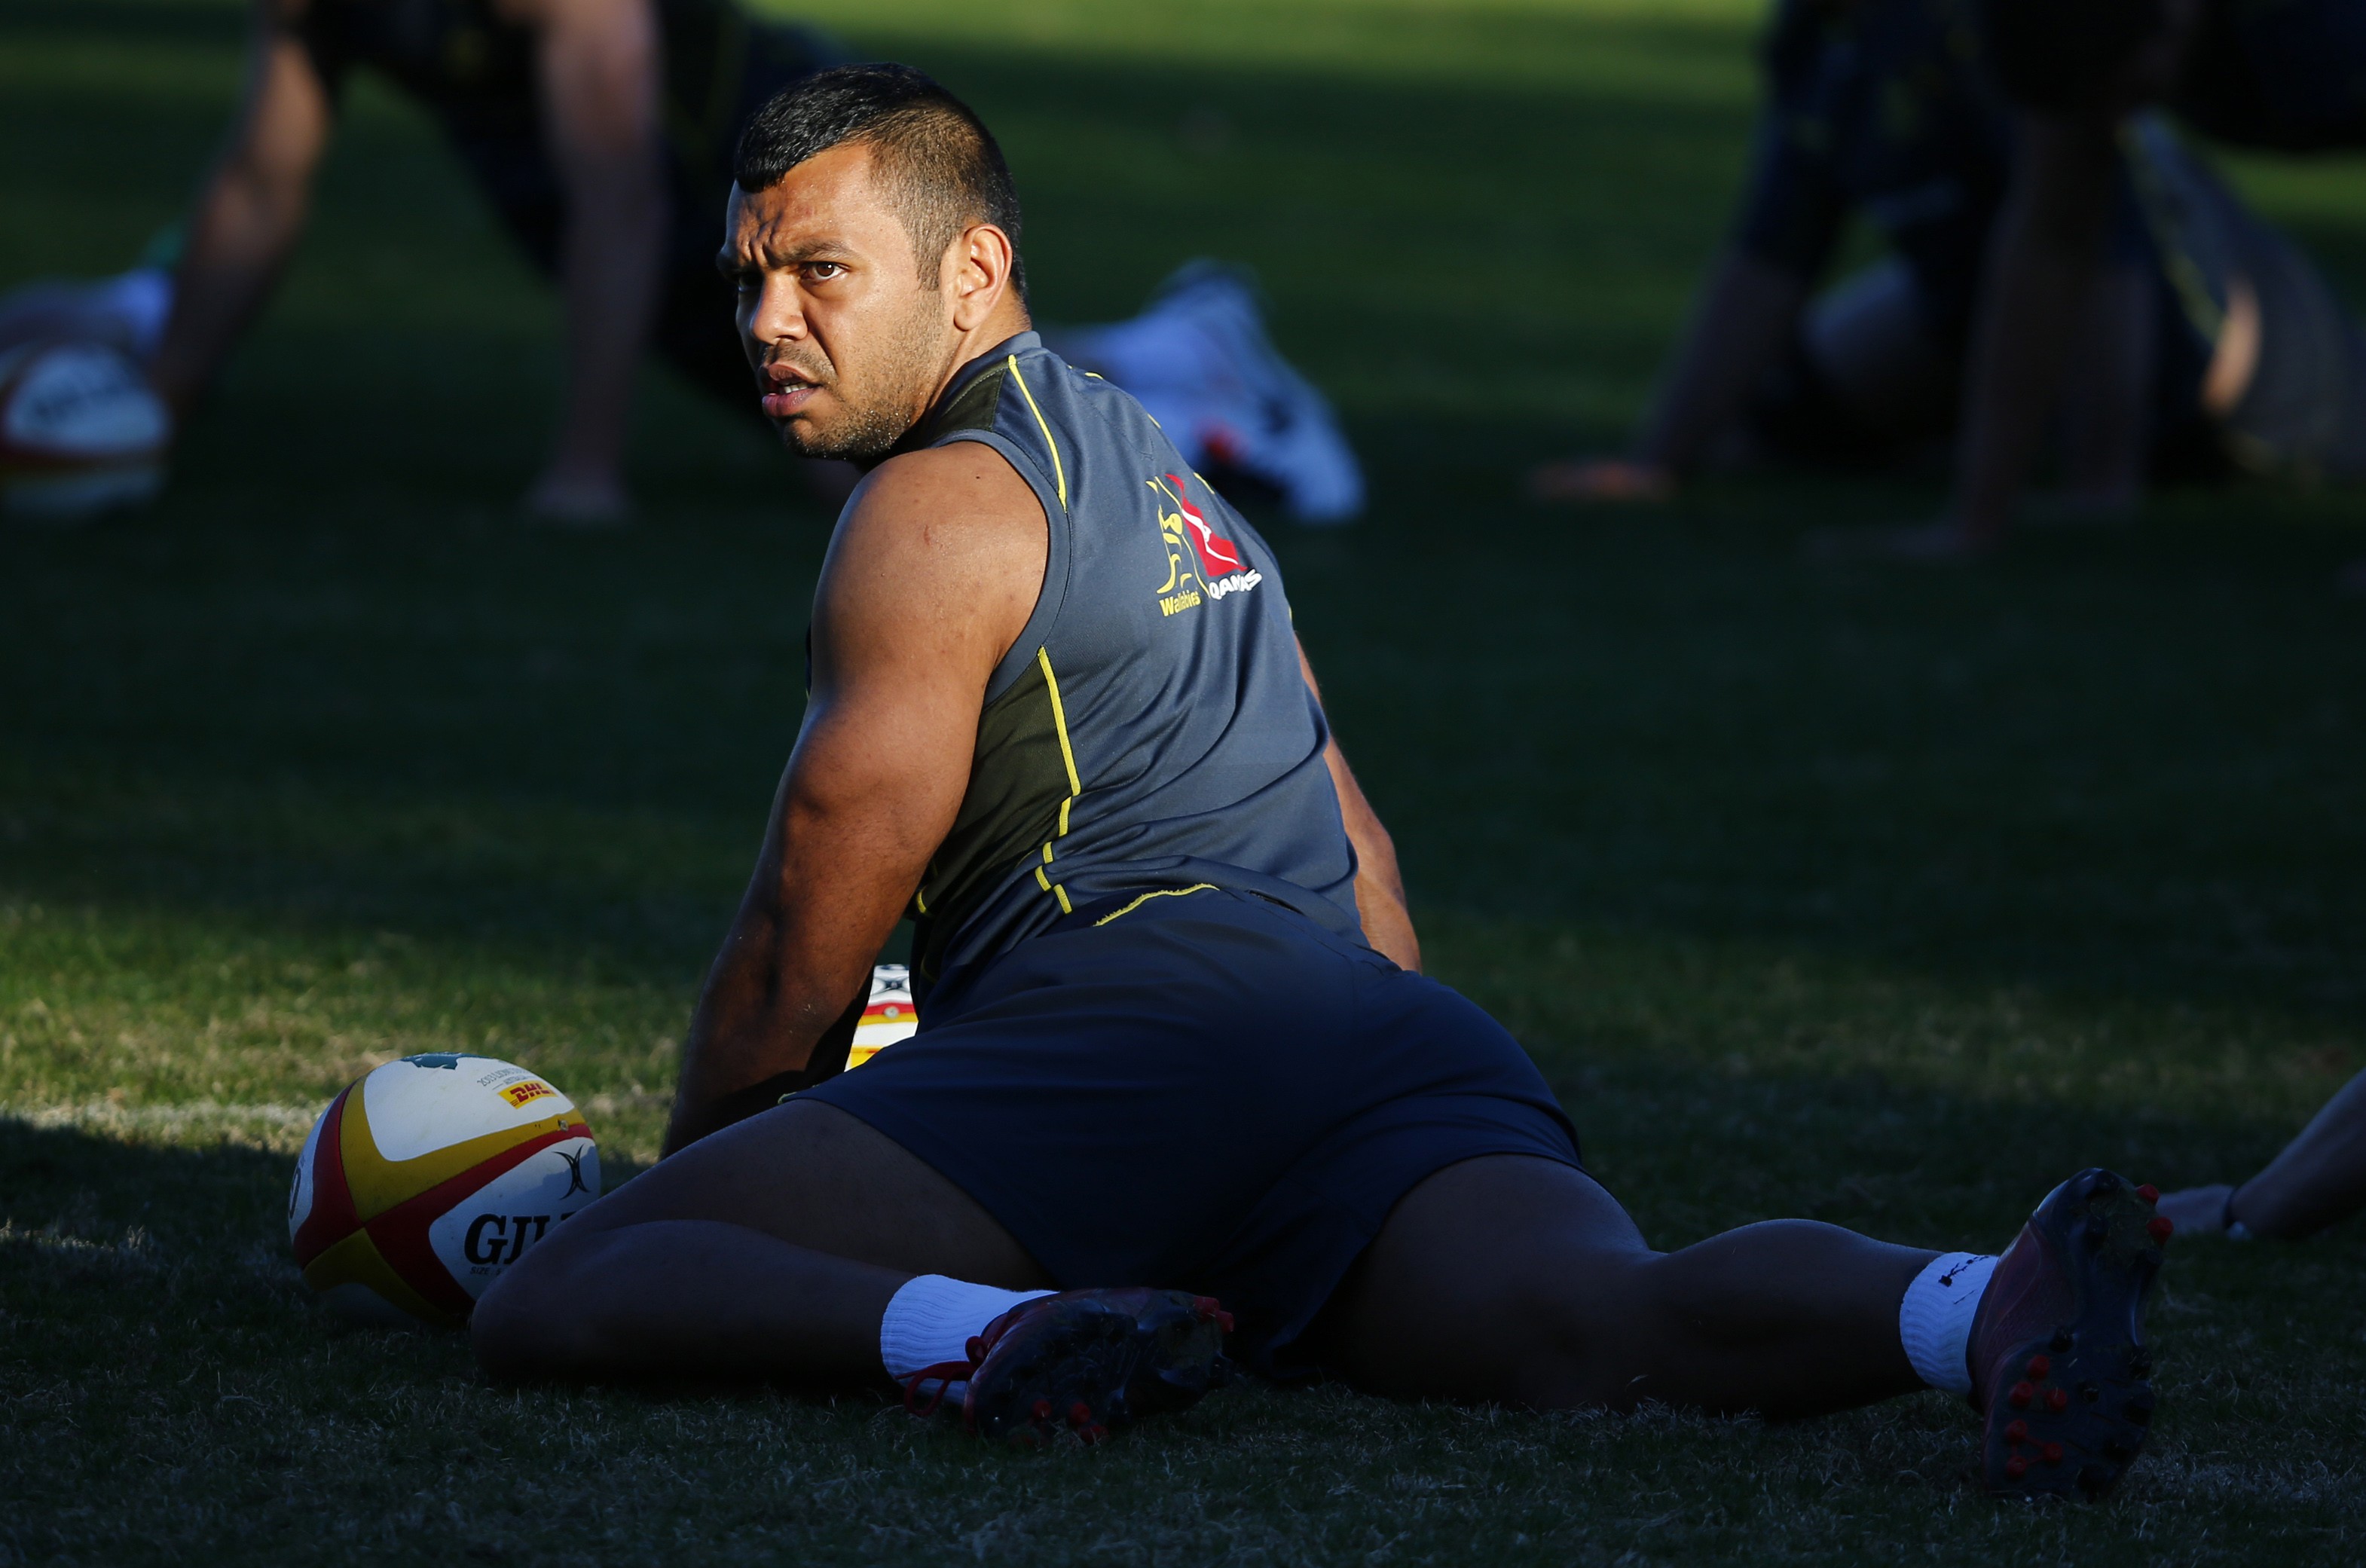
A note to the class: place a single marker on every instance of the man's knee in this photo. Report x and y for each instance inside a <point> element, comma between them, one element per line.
<point>525,1327</point>
<point>1578,1339</point>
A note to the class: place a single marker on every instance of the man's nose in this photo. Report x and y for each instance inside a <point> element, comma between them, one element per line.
<point>778,312</point>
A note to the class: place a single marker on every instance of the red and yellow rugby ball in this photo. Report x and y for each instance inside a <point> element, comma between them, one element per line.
<point>427,1177</point>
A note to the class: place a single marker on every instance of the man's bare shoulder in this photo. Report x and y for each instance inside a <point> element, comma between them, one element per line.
<point>950,536</point>
<point>947,507</point>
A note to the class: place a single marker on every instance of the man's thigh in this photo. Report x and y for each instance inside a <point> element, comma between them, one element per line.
<point>813,1176</point>
<point>1494,1280</point>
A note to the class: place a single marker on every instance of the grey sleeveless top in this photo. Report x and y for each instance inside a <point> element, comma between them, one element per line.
<point>1150,730</point>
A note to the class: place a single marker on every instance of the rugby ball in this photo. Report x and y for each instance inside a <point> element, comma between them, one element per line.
<point>888,1016</point>
<point>427,1177</point>
<point>81,432</point>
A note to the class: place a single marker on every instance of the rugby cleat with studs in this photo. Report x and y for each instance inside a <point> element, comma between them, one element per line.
<point>1084,1361</point>
<point>2059,1365</point>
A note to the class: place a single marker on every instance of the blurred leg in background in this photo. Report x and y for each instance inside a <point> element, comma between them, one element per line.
<point>2320,1179</point>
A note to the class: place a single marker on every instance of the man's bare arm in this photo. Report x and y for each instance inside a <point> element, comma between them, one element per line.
<point>1380,885</point>
<point>929,580</point>
<point>252,210</point>
<point>1744,316</point>
<point>1739,325</point>
<point>598,66</point>
<point>2040,265</point>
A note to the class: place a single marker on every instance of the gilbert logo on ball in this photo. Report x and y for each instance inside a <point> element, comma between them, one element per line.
<point>80,431</point>
<point>428,1177</point>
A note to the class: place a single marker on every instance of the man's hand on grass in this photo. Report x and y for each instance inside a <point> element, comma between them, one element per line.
<point>1593,481</point>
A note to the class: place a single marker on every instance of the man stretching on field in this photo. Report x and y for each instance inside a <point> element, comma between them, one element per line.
<point>1177,1050</point>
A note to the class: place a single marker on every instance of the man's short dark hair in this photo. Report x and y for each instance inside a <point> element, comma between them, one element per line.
<point>930,152</point>
<point>2063,54</point>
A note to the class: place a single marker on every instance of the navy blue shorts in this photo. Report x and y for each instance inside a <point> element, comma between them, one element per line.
<point>1208,1093</point>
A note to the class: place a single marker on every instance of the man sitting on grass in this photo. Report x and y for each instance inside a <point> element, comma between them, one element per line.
<point>1177,1050</point>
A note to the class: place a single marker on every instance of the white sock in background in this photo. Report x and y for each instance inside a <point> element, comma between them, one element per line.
<point>1934,1318</point>
<point>932,1319</point>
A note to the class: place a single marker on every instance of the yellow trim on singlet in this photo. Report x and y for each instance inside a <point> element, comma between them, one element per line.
<point>1059,475</point>
<point>1067,759</point>
<point>1060,728</point>
<point>1161,893</point>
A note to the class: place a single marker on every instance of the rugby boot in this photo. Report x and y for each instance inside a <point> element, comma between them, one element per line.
<point>1085,1361</point>
<point>2057,1355</point>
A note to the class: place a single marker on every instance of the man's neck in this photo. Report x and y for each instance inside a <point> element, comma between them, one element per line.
<point>1008,320</point>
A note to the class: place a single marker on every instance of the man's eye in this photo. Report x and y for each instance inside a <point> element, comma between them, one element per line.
<point>823,272</point>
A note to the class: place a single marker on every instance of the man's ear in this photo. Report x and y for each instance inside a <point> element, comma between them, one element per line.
<point>981,262</point>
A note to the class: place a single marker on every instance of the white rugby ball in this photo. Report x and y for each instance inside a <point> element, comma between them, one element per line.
<point>427,1177</point>
<point>81,432</point>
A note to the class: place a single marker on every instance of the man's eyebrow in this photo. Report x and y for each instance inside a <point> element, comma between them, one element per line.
<point>728,261</point>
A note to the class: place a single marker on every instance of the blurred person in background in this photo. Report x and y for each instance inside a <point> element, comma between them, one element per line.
<point>2284,75</point>
<point>602,132</point>
<point>2320,1179</point>
<point>1882,109</point>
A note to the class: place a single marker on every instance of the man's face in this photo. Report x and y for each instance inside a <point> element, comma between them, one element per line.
<point>848,346</point>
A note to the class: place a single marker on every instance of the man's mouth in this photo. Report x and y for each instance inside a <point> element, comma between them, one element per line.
<point>786,396</point>
<point>789,396</point>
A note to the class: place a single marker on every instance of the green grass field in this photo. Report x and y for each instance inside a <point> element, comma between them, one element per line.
<point>1879,895</point>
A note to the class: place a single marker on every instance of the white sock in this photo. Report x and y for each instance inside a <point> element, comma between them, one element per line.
<point>1934,1318</point>
<point>932,1319</point>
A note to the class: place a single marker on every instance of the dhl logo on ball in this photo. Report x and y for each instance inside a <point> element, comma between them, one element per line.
<point>427,1177</point>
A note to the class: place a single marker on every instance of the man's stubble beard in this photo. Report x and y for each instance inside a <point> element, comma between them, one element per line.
<point>907,366</point>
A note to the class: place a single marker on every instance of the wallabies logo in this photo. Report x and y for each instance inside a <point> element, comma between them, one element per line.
<point>1217,566</point>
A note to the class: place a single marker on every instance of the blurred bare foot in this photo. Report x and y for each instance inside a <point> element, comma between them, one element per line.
<point>1592,481</point>
<point>2197,1210</point>
<point>565,499</point>
<point>1944,543</point>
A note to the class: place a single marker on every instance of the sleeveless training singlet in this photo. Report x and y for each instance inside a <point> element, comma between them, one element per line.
<point>1161,1050</point>
<point>1150,730</point>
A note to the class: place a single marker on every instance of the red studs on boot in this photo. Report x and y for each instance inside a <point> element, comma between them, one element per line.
<point>2021,1394</point>
<point>2017,1432</point>
<point>2149,1192</point>
<point>1211,1310</point>
<point>2051,1453</point>
<point>2057,1400</point>
<point>2160,1227</point>
<point>2039,1366</point>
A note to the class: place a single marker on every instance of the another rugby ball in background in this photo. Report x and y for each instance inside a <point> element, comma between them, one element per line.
<point>427,1177</point>
<point>81,432</point>
<point>888,1016</point>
